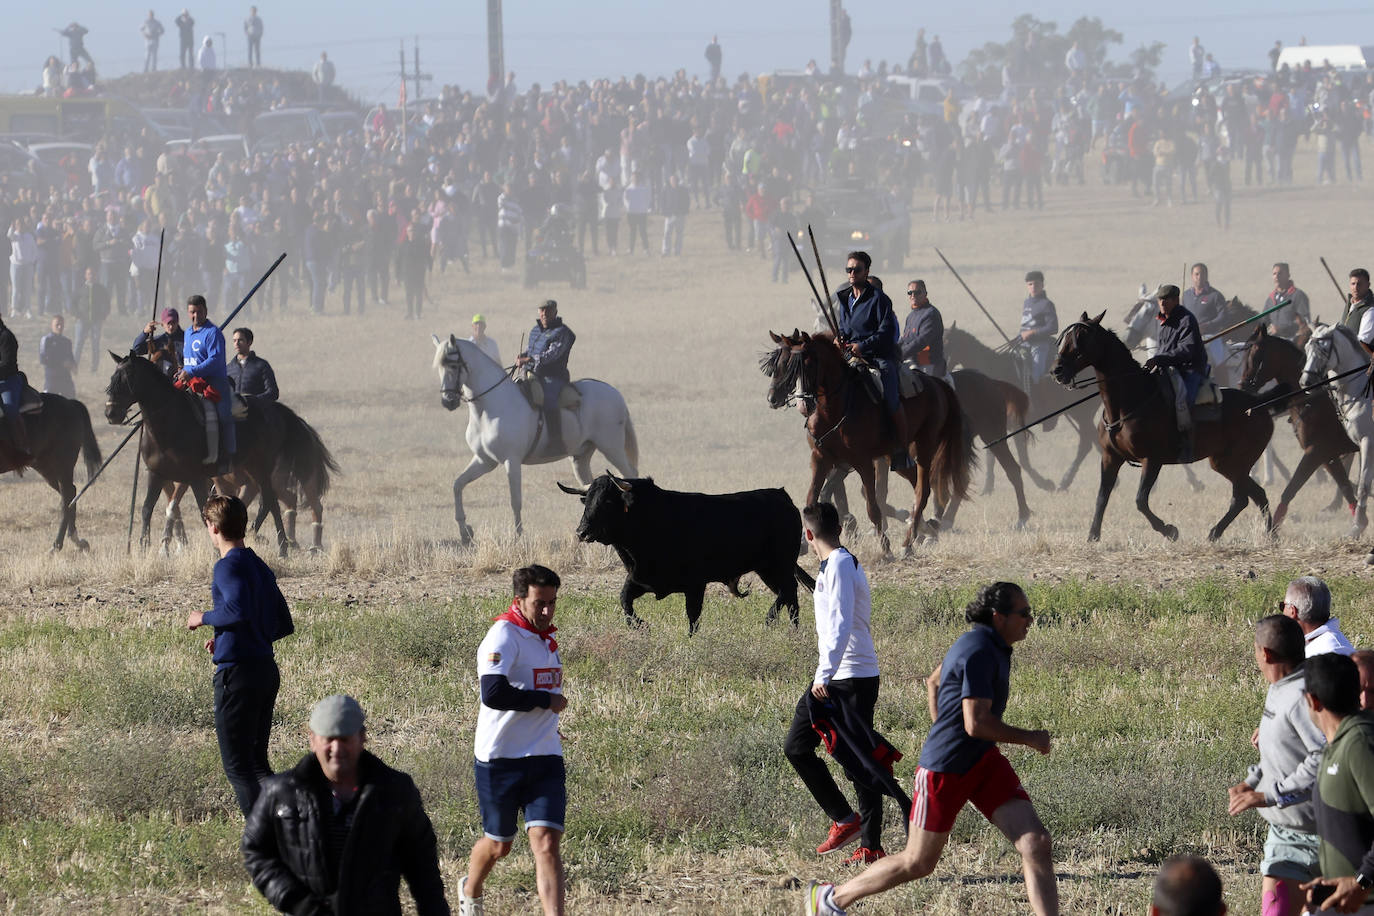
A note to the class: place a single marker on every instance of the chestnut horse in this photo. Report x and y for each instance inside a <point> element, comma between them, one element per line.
<point>1138,424</point>
<point>846,427</point>
<point>1313,417</point>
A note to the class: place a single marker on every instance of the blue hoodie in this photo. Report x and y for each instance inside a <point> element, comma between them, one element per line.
<point>202,355</point>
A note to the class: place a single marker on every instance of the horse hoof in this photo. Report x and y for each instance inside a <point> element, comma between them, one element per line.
<point>54,549</point>
<point>1171,532</point>
<point>1046,485</point>
<point>81,545</point>
<point>316,550</point>
<point>636,623</point>
<point>293,544</point>
<point>1022,522</point>
<point>1094,537</point>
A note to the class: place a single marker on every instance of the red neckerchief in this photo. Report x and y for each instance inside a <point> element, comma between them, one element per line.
<point>513,616</point>
<point>1161,317</point>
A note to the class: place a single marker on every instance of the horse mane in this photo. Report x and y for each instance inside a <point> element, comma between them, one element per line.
<point>148,368</point>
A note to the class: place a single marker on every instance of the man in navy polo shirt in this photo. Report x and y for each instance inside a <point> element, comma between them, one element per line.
<point>518,750</point>
<point>960,762</point>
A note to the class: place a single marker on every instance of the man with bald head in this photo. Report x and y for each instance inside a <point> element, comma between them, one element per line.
<point>1280,785</point>
<point>1187,886</point>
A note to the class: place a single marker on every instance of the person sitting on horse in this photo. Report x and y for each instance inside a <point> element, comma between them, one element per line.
<point>12,392</point>
<point>546,358</point>
<point>250,374</point>
<point>868,330</point>
<point>204,358</point>
<point>1180,347</point>
<point>923,334</point>
<point>1208,307</point>
<point>163,349</point>
<point>1039,328</point>
<point>1296,318</point>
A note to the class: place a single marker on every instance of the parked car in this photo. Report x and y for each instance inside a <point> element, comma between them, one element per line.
<point>181,124</point>
<point>234,146</point>
<point>67,164</point>
<point>338,123</point>
<point>861,218</point>
<point>22,168</point>
<point>273,130</point>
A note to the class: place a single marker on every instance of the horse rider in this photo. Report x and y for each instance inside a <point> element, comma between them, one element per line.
<point>12,391</point>
<point>923,334</point>
<point>868,331</point>
<point>1180,347</point>
<point>1294,320</point>
<point>546,358</point>
<point>1208,307</point>
<point>250,374</point>
<point>163,349</point>
<point>1039,328</point>
<point>203,357</point>
<point>1361,300</point>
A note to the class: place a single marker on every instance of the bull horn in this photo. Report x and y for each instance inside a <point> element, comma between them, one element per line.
<point>622,485</point>
<point>572,491</point>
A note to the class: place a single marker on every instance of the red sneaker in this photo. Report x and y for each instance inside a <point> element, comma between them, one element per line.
<point>840,835</point>
<point>865,856</point>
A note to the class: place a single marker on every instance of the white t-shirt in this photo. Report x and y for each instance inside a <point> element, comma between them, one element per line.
<point>1366,334</point>
<point>1328,638</point>
<point>843,607</point>
<point>524,658</point>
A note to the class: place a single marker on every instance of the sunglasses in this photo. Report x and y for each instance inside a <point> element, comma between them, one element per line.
<point>914,292</point>
<point>1284,604</point>
<point>852,270</point>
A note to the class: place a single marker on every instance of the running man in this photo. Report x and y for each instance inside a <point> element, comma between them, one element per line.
<point>960,762</point>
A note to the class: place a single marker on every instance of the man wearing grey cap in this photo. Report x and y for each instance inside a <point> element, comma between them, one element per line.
<point>1039,328</point>
<point>335,834</point>
<point>1180,347</point>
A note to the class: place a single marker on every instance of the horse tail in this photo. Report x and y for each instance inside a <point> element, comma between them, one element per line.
<point>1018,403</point>
<point>954,458</point>
<point>90,449</point>
<point>631,442</point>
<point>304,456</point>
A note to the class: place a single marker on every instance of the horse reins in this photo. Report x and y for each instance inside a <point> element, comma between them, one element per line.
<point>458,358</point>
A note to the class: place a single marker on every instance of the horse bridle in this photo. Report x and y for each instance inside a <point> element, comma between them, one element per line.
<point>455,356</point>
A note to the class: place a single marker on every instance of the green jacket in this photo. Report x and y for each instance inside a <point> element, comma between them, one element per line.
<point>1344,800</point>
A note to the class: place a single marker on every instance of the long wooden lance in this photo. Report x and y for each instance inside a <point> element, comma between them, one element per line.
<point>1313,387</point>
<point>825,287</point>
<point>973,297</point>
<point>138,453</point>
<point>824,306</point>
<point>224,324</point>
<point>1345,300</point>
<point>1034,423</point>
<point>1240,324</point>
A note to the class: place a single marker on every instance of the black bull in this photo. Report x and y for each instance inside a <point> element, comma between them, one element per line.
<point>678,542</point>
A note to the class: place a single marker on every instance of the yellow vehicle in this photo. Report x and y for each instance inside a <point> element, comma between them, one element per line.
<point>85,119</point>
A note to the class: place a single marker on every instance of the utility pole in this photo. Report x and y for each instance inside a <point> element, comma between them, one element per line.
<point>839,36</point>
<point>420,78</point>
<point>496,54</point>
<point>403,95</point>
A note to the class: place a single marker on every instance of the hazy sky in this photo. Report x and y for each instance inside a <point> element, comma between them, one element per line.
<point>577,39</point>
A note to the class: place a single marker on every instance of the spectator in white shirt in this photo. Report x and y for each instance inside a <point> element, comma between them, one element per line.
<point>1308,601</point>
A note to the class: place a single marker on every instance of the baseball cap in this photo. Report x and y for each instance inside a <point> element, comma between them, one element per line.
<point>337,715</point>
<point>1166,291</point>
<point>549,304</point>
<point>479,318</point>
<point>1035,276</point>
<point>170,314</point>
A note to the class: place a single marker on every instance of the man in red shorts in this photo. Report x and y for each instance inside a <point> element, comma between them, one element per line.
<point>960,762</point>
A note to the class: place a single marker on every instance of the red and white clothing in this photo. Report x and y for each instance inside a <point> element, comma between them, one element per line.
<point>529,661</point>
<point>843,606</point>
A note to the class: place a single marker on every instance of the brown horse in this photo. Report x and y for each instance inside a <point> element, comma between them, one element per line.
<point>1138,424</point>
<point>845,426</point>
<point>57,435</point>
<point>1314,419</point>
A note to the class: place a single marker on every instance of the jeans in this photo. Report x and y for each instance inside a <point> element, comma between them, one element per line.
<point>353,282</point>
<point>88,331</point>
<point>800,748</point>
<point>115,278</point>
<point>21,285</point>
<point>235,285</point>
<point>673,227</point>
<point>509,237</point>
<point>316,270</point>
<point>150,58</point>
<point>638,227</point>
<point>255,52</point>
<point>378,282</point>
<point>244,696</point>
<point>11,393</point>
<point>188,55</point>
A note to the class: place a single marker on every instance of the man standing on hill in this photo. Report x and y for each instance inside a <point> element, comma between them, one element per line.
<point>252,30</point>
<point>713,57</point>
<point>323,74</point>
<point>960,762</point>
<point>518,749</point>
<point>844,690</point>
<point>152,35</point>
<point>186,31</point>
<point>249,615</point>
<point>1280,785</point>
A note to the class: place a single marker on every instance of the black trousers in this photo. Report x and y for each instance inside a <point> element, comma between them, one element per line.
<point>800,748</point>
<point>244,696</point>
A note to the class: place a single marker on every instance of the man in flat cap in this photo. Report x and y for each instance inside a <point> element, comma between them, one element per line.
<point>546,358</point>
<point>1039,328</point>
<point>336,834</point>
<point>1180,348</point>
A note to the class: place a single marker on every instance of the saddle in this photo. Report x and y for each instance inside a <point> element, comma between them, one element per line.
<point>31,401</point>
<point>568,399</point>
<point>1205,409</point>
<point>910,379</point>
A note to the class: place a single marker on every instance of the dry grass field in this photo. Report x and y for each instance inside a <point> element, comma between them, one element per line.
<point>111,797</point>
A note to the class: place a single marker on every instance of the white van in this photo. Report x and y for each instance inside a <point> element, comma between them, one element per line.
<point>275,129</point>
<point>1340,57</point>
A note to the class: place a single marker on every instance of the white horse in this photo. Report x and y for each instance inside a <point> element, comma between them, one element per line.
<point>1334,349</point>
<point>504,429</point>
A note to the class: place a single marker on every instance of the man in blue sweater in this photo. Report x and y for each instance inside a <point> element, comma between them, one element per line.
<point>203,356</point>
<point>250,614</point>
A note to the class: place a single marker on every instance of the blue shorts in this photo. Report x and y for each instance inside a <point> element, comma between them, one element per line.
<point>506,785</point>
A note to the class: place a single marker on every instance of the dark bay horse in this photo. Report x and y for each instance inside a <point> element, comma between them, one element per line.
<point>845,426</point>
<point>174,438</point>
<point>1138,424</point>
<point>57,435</point>
<point>1313,417</point>
<point>963,349</point>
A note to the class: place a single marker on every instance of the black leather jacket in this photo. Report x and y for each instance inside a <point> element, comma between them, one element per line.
<point>285,845</point>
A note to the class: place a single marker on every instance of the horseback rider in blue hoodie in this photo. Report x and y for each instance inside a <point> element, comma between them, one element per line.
<point>203,357</point>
